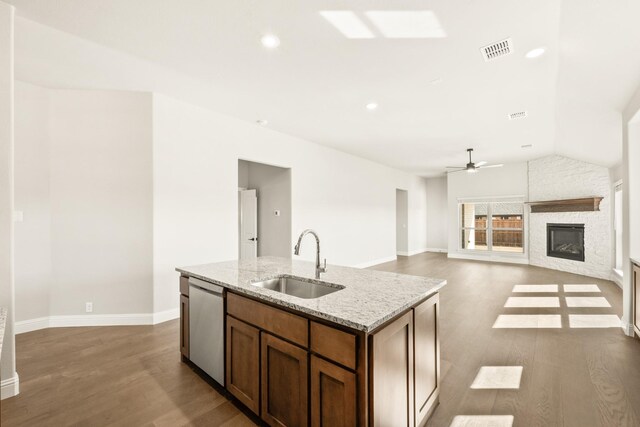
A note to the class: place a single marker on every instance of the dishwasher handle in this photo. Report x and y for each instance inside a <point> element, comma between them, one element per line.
<point>206,286</point>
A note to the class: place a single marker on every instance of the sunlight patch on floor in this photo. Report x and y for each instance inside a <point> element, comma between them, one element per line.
<point>522,321</point>
<point>582,302</point>
<point>532,302</point>
<point>482,421</point>
<point>581,288</point>
<point>498,377</point>
<point>535,288</point>
<point>594,321</point>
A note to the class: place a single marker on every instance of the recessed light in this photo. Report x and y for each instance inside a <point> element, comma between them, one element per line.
<point>270,41</point>
<point>372,106</point>
<point>262,122</point>
<point>534,53</point>
<point>407,24</point>
<point>348,23</point>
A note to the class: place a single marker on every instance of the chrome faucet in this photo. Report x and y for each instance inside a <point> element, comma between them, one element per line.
<point>296,251</point>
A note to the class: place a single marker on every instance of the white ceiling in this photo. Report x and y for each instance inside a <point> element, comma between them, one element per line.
<point>317,83</point>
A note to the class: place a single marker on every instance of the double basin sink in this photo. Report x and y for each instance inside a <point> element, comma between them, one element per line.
<point>298,287</point>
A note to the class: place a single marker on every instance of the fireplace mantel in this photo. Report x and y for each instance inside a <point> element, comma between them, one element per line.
<point>586,204</point>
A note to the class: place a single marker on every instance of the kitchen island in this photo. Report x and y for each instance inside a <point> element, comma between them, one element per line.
<point>365,354</point>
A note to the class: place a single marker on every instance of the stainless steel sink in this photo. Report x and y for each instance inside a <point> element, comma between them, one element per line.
<point>298,288</point>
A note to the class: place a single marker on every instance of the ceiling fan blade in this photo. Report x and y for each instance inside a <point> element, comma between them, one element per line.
<point>482,163</point>
<point>456,167</point>
<point>458,170</point>
<point>491,166</point>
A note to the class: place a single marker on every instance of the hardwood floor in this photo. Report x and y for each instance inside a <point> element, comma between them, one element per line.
<point>133,376</point>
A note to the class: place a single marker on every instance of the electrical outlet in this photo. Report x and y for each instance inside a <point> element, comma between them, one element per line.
<point>89,307</point>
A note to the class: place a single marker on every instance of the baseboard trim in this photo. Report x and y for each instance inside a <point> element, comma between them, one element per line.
<point>503,259</point>
<point>96,320</point>
<point>165,316</point>
<point>616,278</point>
<point>375,262</point>
<point>437,250</point>
<point>628,329</point>
<point>10,387</point>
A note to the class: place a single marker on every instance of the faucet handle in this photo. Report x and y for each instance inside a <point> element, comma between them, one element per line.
<point>324,268</point>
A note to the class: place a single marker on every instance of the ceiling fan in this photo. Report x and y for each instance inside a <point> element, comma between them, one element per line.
<point>472,167</point>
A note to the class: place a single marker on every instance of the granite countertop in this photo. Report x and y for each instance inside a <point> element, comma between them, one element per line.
<point>636,261</point>
<point>3,322</point>
<point>369,298</point>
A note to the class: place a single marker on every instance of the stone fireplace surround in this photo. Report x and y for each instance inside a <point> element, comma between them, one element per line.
<point>558,178</point>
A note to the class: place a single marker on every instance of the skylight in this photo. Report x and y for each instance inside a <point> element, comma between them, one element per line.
<point>407,24</point>
<point>348,23</point>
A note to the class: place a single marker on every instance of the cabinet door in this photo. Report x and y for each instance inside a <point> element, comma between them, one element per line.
<point>636,292</point>
<point>243,363</point>
<point>426,357</point>
<point>392,379</point>
<point>284,383</point>
<point>184,326</point>
<point>333,395</point>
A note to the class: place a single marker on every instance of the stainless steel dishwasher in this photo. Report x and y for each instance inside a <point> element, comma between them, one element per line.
<point>206,328</point>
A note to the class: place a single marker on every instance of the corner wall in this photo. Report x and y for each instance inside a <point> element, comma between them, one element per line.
<point>437,218</point>
<point>8,375</point>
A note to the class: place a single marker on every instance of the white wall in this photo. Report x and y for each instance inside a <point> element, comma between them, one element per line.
<point>84,184</point>
<point>488,184</point>
<point>631,202</point>
<point>437,214</point>
<point>8,367</point>
<point>273,188</point>
<point>33,270</point>
<point>402,220</point>
<point>101,201</point>
<point>348,200</point>
<point>558,178</point>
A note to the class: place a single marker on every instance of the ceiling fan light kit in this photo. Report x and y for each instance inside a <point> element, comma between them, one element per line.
<point>471,167</point>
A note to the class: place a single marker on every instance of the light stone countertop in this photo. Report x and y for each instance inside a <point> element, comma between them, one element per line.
<point>636,261</point>
<point>3,322</point>
<point>369,298</point>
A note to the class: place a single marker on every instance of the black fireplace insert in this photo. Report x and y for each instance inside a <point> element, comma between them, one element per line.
<point>566,241</point>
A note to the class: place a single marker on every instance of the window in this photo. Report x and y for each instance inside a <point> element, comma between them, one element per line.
<point>497,227</point>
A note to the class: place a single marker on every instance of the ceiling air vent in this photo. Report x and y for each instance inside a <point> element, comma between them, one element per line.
<point>496,50</point>
<point>518,115</point>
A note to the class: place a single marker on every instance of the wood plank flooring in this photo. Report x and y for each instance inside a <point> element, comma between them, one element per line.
<point>132,376</point>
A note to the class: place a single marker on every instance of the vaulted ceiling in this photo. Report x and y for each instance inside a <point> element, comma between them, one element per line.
<point>436,96</point>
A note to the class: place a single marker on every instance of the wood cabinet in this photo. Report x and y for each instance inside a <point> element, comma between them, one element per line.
<point>284,382</point>
<point>636,298</point>
<point>184,326</point>
<point>426,358</point>
<point>184,317</point>
<point>333,395</point>
<point>292,369</point>
<point>392,377</point>
<point>243,363</point>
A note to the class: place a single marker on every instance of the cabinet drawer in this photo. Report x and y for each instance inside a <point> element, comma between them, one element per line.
<point>334,344</point>
<point>184,285</point>
<point>278,322</point>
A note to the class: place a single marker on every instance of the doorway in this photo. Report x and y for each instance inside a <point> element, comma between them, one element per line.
<point>402,219</point>
<point>264,210</point>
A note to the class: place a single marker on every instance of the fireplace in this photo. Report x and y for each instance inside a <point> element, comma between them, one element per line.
<point>566,241</point>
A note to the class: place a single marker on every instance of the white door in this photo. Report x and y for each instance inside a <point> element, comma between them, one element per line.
<point>248,224</point>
